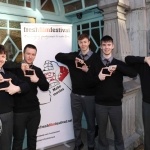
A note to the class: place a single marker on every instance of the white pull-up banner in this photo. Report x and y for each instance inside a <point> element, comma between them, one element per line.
<point>56,117</point>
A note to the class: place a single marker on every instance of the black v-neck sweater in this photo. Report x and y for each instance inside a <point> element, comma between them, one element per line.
<point>7,100</point>
<point>28,101</point>
<point>78,77</point>
<point>109,92</point>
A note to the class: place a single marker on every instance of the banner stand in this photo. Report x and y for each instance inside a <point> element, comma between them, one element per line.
<point>66,144</point>
<point>56,125</point>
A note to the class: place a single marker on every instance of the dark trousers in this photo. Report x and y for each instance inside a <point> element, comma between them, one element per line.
<point>86,104</point>
<point>7,131</point>
<point>146,123</point>
<point>29,121</point>
<point>115,115</point>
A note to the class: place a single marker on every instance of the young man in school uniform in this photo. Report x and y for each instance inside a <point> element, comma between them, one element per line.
<point>82,97</point>
<point>27,114</point>
<point>10,87</point>
<point>107,74</point>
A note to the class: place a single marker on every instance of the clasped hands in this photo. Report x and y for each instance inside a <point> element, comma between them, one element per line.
<point>110,69</point>
<point>25,68</point>
<point>11,89</point>
<point>84,67</point>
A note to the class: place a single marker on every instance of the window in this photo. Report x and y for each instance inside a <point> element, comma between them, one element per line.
<point>95,30</point>
<point>75,5</point>
<point>90,3</point>
<point>10,32</point>
<point>24,3</point>
<point>64,1</point>
<point>47,5</point>
<point>4,1</point>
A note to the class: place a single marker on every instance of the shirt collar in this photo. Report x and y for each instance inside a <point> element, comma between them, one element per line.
<point>23,61</point>
<point>110,58</point>
<point>2,70</point>
<point>89,53</point>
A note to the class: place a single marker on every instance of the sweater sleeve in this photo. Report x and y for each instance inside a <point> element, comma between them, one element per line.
<point>135,62</point>
<point>126,70</point>
<point>42,82</point>
<point>10,65</point>
<point>22,84</point>
<point>131,60</point>
<point>65,58</point>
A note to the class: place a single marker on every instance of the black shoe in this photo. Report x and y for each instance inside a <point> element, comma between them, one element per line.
<point>90,148</point>
<point>79,147</point>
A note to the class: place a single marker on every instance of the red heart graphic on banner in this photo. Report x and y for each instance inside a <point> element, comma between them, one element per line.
<point>63,73</point>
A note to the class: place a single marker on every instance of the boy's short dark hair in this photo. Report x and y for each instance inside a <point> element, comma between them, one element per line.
<point>84,35</point>
<point>106,38</point>
<point>29,46</point>
<point>2,49</point>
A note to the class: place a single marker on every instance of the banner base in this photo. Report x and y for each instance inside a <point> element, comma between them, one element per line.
<point>63,143</point>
